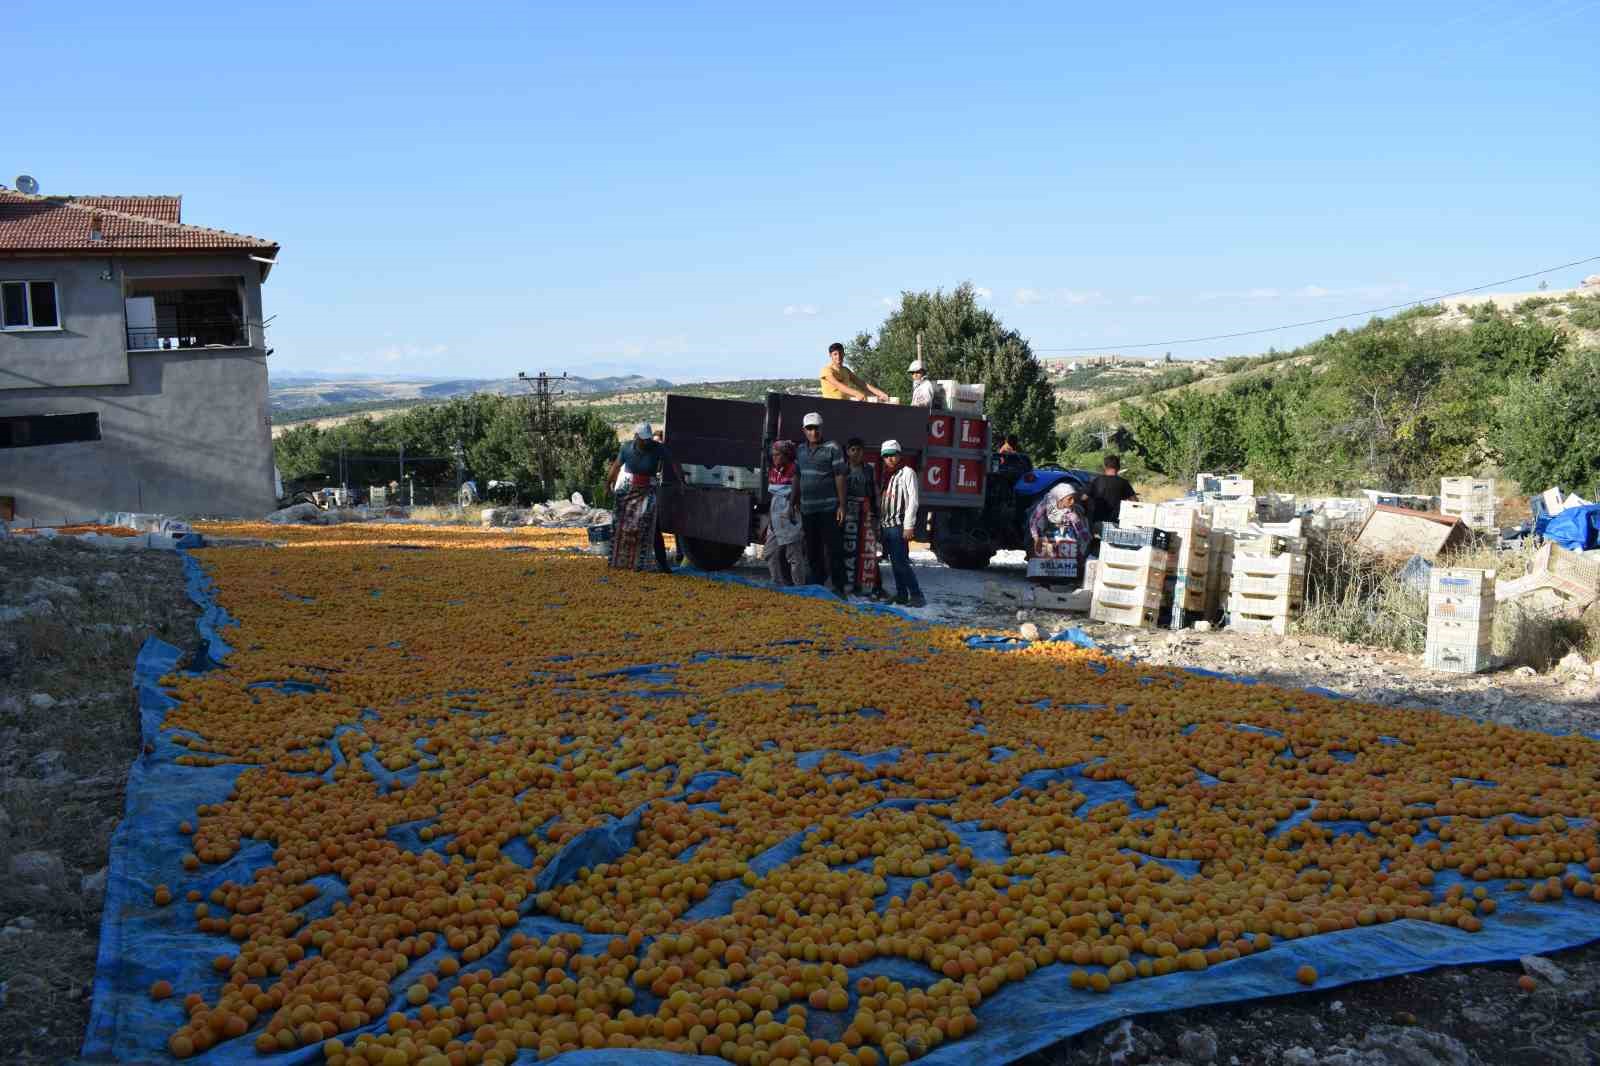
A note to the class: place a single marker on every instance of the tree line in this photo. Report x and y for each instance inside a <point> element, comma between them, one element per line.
<point>487,437</point>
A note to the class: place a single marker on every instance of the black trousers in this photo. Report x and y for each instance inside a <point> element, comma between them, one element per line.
<point>824,541</point>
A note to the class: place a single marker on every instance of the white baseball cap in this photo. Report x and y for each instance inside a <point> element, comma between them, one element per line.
<point>890,447</point>
<point>812,419</point>
<point>643,431</point>
<point>915,367</point>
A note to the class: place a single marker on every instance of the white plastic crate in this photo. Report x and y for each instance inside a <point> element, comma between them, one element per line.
<point>1149,557</point>
<point>1259,605</point>
<point>1249,564</point>
<point>1466,486</point>
<point>1133,513</point>
<point>1270,585</point>
<point>1458,581</point>
<point>1241,623</point>
<point>1118,596</point>
<point>1465,608</point>
<point>1122,616</point>
<point>1460,631</point>
<point>1472,658</point>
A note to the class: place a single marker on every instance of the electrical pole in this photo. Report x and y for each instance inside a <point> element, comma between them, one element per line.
<point>541,424</point>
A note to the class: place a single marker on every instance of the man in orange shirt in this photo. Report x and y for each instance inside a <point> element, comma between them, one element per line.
<point>839,382</point>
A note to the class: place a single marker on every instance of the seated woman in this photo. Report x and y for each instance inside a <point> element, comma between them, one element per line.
<point>1058,537</point>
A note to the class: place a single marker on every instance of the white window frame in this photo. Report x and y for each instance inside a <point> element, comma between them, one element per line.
<point>27,301</point>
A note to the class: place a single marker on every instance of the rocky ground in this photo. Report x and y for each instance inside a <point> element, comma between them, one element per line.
<point>72,619</point>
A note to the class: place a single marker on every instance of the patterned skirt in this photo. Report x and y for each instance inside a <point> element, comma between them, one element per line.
<point>860,546</point>
<point>633,530</point>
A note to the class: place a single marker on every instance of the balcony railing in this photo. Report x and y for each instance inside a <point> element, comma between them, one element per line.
<point>189,331</point>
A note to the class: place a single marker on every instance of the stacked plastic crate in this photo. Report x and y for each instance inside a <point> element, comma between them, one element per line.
<point>1470,499</point>
<point>1460,620</point>
<point>1265,579</point>
<point>1129,576</point>
<point>1186,592</point>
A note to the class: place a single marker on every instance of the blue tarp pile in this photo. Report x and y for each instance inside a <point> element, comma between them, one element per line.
<point>1576,529</point>
<point>141,943</point>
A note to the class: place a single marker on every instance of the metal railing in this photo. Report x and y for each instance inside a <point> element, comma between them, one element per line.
<point>190,331</point>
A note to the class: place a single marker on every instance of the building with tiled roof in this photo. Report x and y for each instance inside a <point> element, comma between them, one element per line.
<point>133,360</point>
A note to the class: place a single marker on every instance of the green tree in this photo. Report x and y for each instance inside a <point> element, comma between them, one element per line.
<point>967,342</point>
<point>297,451</point>
<point>1548,428</point>
<point>1185,434</point>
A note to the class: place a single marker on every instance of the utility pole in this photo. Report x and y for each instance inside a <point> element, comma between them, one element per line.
<point>541,423</point>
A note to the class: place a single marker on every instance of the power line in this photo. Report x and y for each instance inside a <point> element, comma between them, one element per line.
<point>1331,318</point>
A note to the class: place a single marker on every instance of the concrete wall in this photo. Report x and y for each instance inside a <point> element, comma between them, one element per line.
<point>188,435</point>
<point>182,433</point>
<point>91,347</point>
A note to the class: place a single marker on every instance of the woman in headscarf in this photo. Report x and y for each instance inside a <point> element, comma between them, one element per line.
<point>1058,536</point>
<point>635,472</point>
<point>785,545</point>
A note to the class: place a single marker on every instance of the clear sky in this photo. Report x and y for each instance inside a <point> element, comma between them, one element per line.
<point>708,190</point>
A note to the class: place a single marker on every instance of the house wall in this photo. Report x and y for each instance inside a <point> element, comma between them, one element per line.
<point>182,433</point>
<point>91,347</point>
<point>188,435</point>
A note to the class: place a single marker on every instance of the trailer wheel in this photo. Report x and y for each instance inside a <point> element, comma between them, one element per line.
<point>710,554</point>
<point>964,554</point>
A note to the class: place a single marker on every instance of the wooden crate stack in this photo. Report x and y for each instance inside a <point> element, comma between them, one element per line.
<point>1128,585</point>
<point>1470,499</point>
<point>1265,580</point>
<point>1460,620</point>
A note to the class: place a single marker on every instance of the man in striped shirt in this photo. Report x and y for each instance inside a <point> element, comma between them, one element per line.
<point>822,494</point>
<point>898,512</point>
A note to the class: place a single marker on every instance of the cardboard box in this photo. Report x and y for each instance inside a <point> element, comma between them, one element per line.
<point>1398,531</point>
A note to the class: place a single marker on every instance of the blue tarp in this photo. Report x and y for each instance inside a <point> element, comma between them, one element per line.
<point>1576,529</point>
<point>141,943</point>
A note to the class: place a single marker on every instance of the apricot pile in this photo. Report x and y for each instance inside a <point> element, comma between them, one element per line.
<point>815,789</point>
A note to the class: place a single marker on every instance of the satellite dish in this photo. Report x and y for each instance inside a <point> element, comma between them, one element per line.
<point>28,184</point>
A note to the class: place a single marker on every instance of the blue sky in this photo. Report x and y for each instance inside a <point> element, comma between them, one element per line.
<point>716,190</point>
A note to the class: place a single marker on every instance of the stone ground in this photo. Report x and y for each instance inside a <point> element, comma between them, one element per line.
<point>72,620</point>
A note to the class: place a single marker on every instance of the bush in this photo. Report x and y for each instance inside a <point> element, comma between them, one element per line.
<point>1357,597</point>
<point>1549,427</point>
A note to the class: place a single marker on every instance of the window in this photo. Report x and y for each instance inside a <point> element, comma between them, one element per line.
<point>27,431</point>
<point>29,305</point>
<point>198,312</point>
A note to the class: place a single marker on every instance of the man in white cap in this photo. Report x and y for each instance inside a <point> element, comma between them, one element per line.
<point>897,510</point>
<point>633,528</point>
<point>822,493</point>
<point>922,394</point>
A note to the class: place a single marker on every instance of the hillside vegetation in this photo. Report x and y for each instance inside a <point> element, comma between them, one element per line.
<point>1394,404</point>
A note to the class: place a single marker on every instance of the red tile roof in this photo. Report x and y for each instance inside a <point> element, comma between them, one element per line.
<point>127,224</point>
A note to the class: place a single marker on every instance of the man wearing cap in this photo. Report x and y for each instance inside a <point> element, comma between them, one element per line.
<point>898,511</point>
<point>922,392</point>
<point>634,529</point>
<point>839,382</point>
<point>822,493</point>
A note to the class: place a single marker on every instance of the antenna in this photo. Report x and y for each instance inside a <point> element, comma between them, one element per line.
<point>26,183</point>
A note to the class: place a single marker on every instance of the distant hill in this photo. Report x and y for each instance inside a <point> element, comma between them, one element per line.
<point>292,393</point>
